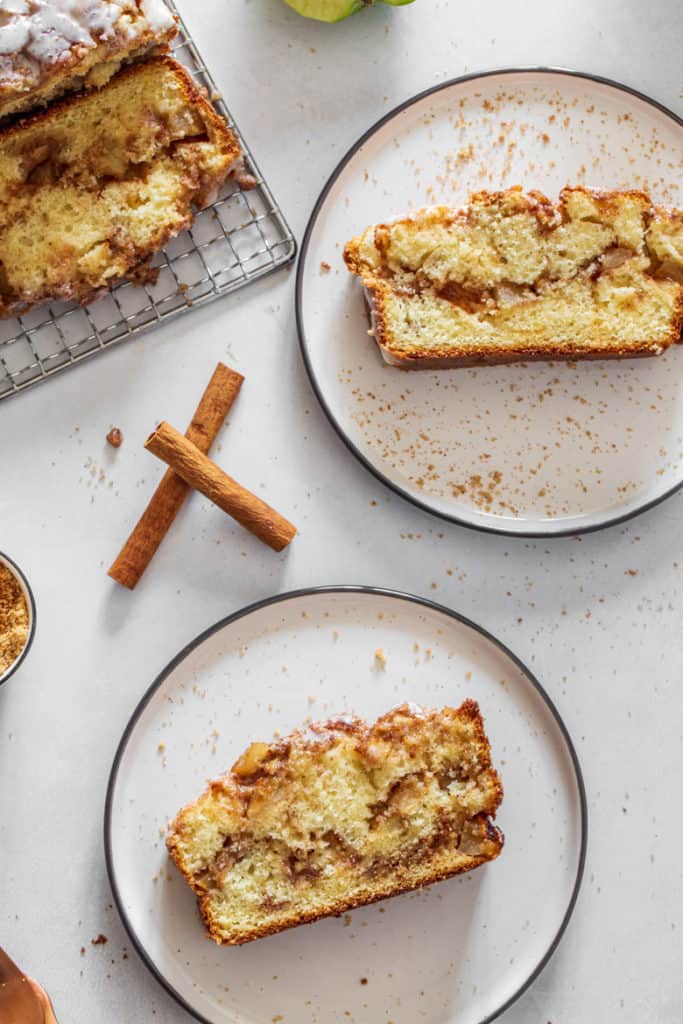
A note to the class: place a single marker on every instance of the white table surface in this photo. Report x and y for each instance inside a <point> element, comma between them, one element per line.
<point>597,618</point>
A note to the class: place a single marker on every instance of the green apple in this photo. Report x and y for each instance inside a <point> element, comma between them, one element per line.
<point>335,10</point>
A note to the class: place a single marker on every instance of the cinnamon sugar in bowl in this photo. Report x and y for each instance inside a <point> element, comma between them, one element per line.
<point>17,617</point>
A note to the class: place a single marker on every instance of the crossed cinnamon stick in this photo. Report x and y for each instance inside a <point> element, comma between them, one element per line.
<point>190,468</point>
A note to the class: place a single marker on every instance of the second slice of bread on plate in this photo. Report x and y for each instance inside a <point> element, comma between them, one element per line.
<point>339,816</point>
<point>93,187</point>
<point>515,277</point>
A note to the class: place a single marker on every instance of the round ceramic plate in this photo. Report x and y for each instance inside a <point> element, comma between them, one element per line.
<point>535,449</point>
<point>461,950</point>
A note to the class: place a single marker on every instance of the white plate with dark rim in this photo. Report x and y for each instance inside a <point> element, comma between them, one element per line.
<point>540,449</point>
<point>462,950</point>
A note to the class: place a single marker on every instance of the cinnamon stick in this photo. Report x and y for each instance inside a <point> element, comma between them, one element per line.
<point>144,541</point>
<point>200,472</point>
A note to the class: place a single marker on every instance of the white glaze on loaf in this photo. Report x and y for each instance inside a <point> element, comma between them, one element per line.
<point>37,35</point>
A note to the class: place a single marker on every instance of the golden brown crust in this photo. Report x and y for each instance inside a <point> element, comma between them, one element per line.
<point>379,288</point>
<point>263,766</point>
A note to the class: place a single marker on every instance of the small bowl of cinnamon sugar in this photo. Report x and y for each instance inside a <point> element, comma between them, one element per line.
<point>17,617</point>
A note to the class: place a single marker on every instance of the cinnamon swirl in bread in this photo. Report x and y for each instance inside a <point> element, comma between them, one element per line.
<point>95,185</point>
<point>598,275</point>
<point>339,816</point>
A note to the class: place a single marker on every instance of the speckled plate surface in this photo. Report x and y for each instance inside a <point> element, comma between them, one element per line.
<point>536,449</point>
<point>460,951</point>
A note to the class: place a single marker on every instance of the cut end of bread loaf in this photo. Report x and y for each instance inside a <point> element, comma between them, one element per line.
<point>339,816</point>
<point>93,187</point>
<point>515,277</point>
<point>47,50</point>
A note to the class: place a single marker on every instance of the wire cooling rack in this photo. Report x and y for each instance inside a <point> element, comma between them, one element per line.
<point>242,237</point>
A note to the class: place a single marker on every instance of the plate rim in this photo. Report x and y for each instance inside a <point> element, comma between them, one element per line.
<point>314,592</point>
<point>459,520</point>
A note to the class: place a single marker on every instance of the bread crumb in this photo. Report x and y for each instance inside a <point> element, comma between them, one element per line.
<point>101,940</point>
<point>325,267</point>
<point>115,437</point>
<point>380,659</point>
<point>161,747</point>
<point>245,181</point>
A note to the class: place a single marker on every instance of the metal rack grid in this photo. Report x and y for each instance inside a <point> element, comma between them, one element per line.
<point>242,237</point>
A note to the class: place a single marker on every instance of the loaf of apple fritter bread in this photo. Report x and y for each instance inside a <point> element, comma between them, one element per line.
<point>49,48</point>
<point>338,816</point>
<point>513,276</point>
<point>93,187</point>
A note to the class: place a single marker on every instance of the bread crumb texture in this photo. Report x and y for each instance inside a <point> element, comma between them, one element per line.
<point>338,816</point>
<point>92,188</point>
<point>514,276</point>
